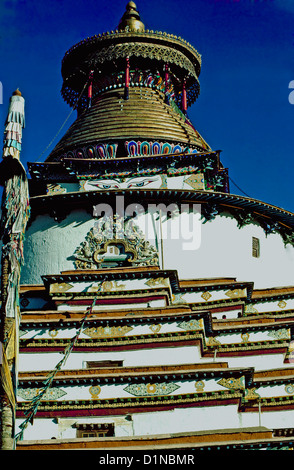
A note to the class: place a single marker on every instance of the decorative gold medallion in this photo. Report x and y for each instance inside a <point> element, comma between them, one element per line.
<point>155,328</point>
<point>95,391</point>
<point>206,296</point>
<point>53,333</point>
<point>245,337</point>
<point>199,386</point>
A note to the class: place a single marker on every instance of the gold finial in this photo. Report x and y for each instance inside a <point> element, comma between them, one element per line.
<point>16,92</point>
<point>131,20</point>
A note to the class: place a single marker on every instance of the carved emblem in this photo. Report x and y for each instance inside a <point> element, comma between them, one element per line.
<point>95,391</point>
<point>115,242</point>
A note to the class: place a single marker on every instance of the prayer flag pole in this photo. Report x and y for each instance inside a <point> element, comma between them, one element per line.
<point>14,217</point>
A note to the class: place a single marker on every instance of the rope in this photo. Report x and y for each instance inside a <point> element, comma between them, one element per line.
<point>50,377</point>
<point>62,126</point>
<point>245,194</point>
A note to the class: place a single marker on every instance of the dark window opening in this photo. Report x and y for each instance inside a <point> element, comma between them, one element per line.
<point>103,364</point>
<point>95,430</point>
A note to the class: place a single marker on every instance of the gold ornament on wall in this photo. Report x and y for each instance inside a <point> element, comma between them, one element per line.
<point>206,296</point>
<point>95,391</point>
<point>155,328</point>
<point>199,386</point>
<point>245,337</point>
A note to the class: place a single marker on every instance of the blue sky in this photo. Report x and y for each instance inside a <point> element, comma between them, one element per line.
<point>243,109</point>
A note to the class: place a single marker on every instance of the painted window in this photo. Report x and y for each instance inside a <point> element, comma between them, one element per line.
<point>255,247</point>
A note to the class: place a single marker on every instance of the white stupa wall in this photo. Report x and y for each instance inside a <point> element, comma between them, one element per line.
<point>217,248</point>
<point>161,422</point>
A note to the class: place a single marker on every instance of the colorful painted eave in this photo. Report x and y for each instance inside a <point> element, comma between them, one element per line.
<point>37,318</point>
<point>208,339</point>
<point>139,273</point>
<point>263,295</point>
<point>73,169</point>
<point>242,386</point>
<point>125,36</point>
<point>150,373</point>
<point>122,406</point>
<point>103,275</point>
<point>138,342</point>
<point>253,379</point>
<point>238,206</point>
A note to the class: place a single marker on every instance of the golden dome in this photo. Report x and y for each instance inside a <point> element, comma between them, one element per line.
<point>144,116</point>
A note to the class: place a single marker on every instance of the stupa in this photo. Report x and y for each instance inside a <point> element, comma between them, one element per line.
<point>157,307</point>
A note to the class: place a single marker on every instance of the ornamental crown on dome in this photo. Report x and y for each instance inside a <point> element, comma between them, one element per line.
<point>131,20</point>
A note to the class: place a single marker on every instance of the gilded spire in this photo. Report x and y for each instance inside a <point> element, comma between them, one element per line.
<point>16,92</point>
<point>131,20</point>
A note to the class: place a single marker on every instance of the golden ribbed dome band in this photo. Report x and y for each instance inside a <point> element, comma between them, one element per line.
<point>144,116</point>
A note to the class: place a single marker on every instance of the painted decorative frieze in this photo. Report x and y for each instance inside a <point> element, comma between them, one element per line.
<point>158,282</point>
<point>283,333</point>
<point>107,331</point>
<point>172,180</point>
<point>51,394</point>
<point>135,148</point>
<point>251,394</point>
<point>236,293</point>
<point>232,383</point>
<point>191,325</point>
<point>100,150</point>
<point>105,150</point>
<point>109,286</point>
<point>212,296</point>
<point>128,182</point>
<point>150,389</point>
<point>55,189</point>
<point>270,304</point>
<point>252,337</point>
